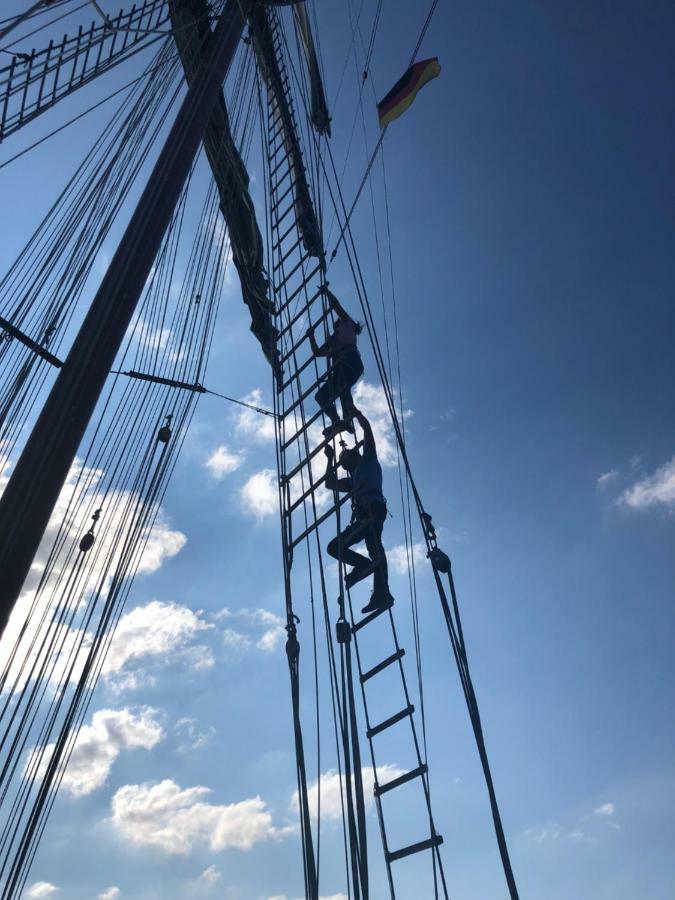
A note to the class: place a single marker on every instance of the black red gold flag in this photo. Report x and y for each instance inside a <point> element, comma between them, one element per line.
<point>405,90</point>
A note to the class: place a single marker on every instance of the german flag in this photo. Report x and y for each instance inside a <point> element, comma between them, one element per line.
<point>405,90</point>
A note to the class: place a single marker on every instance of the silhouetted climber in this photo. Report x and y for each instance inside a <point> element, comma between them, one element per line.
<point>346,366</point>
<point>369,510</point>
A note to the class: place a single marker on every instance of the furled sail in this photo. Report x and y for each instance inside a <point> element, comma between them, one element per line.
<point>192,31</point>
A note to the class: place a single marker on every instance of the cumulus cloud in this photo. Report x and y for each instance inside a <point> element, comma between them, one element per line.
<point>162,544</point>
<point>174,820</point>
<point>607,809</point>
<point>31,625</point>
<point>251,425</point>
<point>330,788</point>
<point>158,633</point>
<point>42,889</point>
<point>111,893</point>
<point>606,477</point>
<point>259,496</point>
<point>98,745</point>
<point>223,462</point>
<point>399,557</point>
<point>657,489</point>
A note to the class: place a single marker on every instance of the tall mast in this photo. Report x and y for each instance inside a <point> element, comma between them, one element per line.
<point>41,471</point>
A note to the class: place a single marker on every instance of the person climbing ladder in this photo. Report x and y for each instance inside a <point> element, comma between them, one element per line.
<point>369,510</point>
<point>345,370</point>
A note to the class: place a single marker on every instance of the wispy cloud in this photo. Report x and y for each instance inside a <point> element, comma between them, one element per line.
<point>223,461</point>
<point>551,832</point>
<point>97,746</point>
<point>254,628</point>
<point>657,489</point>
<point>606,477</point>
<point>175,820</point>
<point>190,738</point>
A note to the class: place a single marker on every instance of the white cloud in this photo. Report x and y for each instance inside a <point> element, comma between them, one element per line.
<point>175,820</point>
<point>98,745</point>
<point>331,799</point>
<point>190,737</point>
<point>607,809</point>
<point>42,889</point>
<point>257,628</point>
<point>162,544</point>
<point>210,876</point>
<point>223,462</point>
<point>235,640</point>
<point>273,630</point>
<point>399,557</point>
<point>372,402</point>
<point>251,425</point>
<point>550,832</point>
<point>111,893</point>
<point>157,632</point>
<point>606,477</point>
<point>260,496</point>
<point>658,488</point>
<point>322,897</point>
<point>31,622</point>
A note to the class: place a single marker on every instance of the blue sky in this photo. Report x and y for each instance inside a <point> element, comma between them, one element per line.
<point>531,196</point>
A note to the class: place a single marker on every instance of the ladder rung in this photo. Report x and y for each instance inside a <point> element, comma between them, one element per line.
<point>288,210</point>
<point>351,579</point>
<point>282,179</point>
<point>278,166</point>
<point>305,461</point>
<point>402,779</point>
<point>282,198</point>
<point>278,243</point>
<point>308,493</point>
<point>287,254</point>
<point>301,430</point>
<point>294,347</point>
<point>381,666</point>
<point>296,318</point>
<point>429,844</point>
<point>320,521</point>
<point>298,372</point>
<point>370,617</point>
<point>287,276</point>
<point>295,293</point>
<point>301,399</point>
<point>392,720</point>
